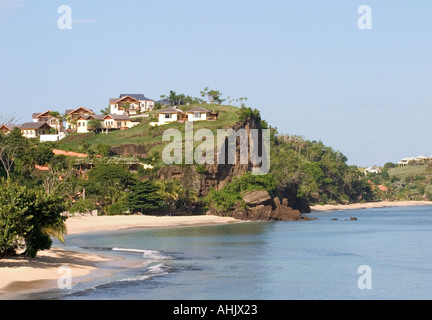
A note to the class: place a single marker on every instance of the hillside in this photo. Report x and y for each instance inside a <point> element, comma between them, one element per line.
<point>144,139</point>
<point>412,182</point>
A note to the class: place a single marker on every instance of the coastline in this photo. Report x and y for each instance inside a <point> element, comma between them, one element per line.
<point>368,205</point>
<point>22,275</point>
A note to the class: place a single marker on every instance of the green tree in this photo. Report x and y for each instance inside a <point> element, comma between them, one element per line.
<point>94,124</point>
<point>29,215</point>
<point>145,198</point>
<point>109,183</point>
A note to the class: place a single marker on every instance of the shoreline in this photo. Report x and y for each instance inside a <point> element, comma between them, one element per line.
<point>368,205</point>
<point>21,275</point>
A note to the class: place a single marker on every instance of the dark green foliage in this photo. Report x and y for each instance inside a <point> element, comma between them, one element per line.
<point>145,198</point>
<point>29,215</point>
<point>226,198</point>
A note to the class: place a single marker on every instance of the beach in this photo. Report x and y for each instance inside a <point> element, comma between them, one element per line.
<point>22,275</point>
<point>368,205</point>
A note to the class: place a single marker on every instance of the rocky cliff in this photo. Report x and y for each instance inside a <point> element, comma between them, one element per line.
<point>259,205</point>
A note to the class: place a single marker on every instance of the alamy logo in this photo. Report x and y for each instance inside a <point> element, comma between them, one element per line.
<point>365,280</point>
<point>254,148</point>
<point>65,20</point>
<point>65,280</point>
<point>365,20</point>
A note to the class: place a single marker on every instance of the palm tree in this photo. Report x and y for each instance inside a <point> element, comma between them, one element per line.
<point>171,190</point>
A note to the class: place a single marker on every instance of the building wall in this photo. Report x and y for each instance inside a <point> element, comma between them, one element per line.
<point>191,116</point>
<point>82,126</point>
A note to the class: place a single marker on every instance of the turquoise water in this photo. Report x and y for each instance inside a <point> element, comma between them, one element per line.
<point>269,261</point>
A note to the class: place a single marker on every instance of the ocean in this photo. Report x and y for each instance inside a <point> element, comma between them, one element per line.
<point>385,254</point>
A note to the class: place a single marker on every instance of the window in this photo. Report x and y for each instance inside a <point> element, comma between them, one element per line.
<point>167,115</point>
<point>118,124</point>
<point>197,115</point>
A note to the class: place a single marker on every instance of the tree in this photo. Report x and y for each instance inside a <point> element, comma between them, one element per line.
<point>29,215</point>
<point>14,149</point>
<point>214,96</point>
<point>108,183</point>
<point>106,111</point>
<point>171,191</point>
<point>94,124</point>
<point>145,198</point>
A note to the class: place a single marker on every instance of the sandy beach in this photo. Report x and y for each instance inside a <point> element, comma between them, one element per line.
<point>22,275</point>
<point>367,205</point>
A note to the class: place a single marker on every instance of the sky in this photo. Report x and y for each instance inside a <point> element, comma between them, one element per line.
<point>305,64</point>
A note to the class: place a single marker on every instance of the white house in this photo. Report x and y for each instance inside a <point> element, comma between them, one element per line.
<point>131,104</point>
<point>169,115</point>
<point>197,114</point>
<point>372,169</point>
<point>404,161</point>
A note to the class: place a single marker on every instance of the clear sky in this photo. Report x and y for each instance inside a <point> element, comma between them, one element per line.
<point>304,64</point>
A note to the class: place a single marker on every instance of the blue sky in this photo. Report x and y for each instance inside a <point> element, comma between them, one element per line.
<point>305,64</point>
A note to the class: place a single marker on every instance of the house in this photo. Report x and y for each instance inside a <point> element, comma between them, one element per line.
<point>34,129</point>
<point>372,169</point>
<point>130,104</point>
<point>48,118</point>
<point>197,114</point>
<point>72,116</point>
<point>146,104</point>
<point>405,161</point>
<point>7,128</point>
<point>170,114</point>
<point>107,122</point>
<point>117,121</point>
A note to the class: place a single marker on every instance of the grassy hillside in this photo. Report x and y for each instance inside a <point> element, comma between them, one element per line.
<point>146,135</point>
<point>413,182</point>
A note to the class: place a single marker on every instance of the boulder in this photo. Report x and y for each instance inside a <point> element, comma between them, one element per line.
<point>260,213</point>
<point>258,197</point>
<point>240,214</point>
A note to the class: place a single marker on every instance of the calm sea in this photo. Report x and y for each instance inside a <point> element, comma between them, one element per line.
<point>317,259</point>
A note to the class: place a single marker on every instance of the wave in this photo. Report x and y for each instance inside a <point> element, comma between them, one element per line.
<point>147,254</point>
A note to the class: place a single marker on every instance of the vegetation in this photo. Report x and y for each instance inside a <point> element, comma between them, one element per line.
<point>32,201</point>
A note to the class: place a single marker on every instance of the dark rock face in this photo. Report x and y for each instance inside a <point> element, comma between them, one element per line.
<point>261,207</point>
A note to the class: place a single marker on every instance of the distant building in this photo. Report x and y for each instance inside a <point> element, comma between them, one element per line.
<point>131,104</point>
<point>405,161</point>
<point>34,129</point>
<point>372,169</point>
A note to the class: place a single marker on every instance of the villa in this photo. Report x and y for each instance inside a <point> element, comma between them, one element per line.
<point>130,104</point>
<point>7,128</point>
<point>34,129</point>
<point>107,122</point>
<point>405,161</point>
<point>170,114</point>
<point>73,115</point>
<point>173,114</point>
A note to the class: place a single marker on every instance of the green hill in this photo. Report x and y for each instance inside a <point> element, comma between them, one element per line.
<point>146,136</point>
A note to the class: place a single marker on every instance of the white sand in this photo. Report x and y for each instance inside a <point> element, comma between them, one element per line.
<point>20,274</point>
<point>382,204</point>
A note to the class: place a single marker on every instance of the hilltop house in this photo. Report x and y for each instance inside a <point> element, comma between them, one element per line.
<point>372,169</point>
<point>34,129</point>
<point>7,128</point>
<point>73,115</point>
<point>168,115</point>
<point>107,122</point>
<point>130,104</point>
<point>405,161</point>
<point>46,116</point>
<point>197,114</point>
<point>172,114</point>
